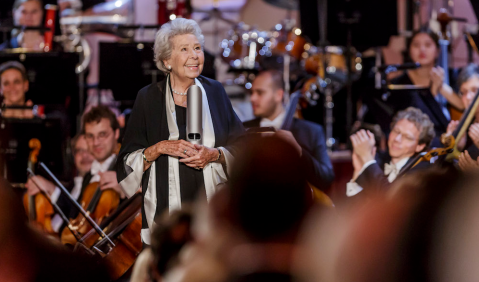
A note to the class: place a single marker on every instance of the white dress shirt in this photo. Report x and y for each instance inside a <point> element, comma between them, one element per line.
<point>276,123</point>
<point>391,170</point>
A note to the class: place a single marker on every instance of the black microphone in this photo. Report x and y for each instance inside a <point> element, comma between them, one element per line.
<point>194,115</point>
<point>397,67</point>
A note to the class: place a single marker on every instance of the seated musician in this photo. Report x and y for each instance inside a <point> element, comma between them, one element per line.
<point>26,13</point>
<point>424,49</point>
<point>101,131</point>
<point>13,86</point>
<point>411,132</point>
<point>267,101</point>
<point>468,82</point>
<point>83,160</point>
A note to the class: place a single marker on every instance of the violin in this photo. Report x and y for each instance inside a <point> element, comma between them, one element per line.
<point>38,207</point>
<point>98,204</point>
<point>462,127</point>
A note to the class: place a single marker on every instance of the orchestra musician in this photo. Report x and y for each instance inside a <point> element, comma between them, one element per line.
<point>13,87</point>
<point>424,49</point>
<point>26,13</point>
<point>154,155</point>
<point>468,85</point>
<point>82,160</point>
<point>100,131</point>
<point>411,132</point>
<point>267,101</point>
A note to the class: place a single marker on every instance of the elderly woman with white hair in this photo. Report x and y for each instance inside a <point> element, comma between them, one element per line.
<point>155,156</point>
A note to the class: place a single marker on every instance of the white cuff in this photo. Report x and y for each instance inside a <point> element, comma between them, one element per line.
<point>352,188</point>
<point>131,184</point>
<point>228,158</point>
<point>55,195</point>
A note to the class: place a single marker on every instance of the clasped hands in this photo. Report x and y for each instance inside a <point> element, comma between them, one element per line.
<point>196,156</point>
<point>364,149</point>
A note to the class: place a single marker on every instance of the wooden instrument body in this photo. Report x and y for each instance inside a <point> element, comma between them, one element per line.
<point>99,204</point>
<point>43,211</point>
<point>123,227</point>
<point>38,207</point>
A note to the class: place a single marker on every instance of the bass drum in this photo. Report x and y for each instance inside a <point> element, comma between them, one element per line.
<point>331,63</point>
<point>285,40</point>
<point>244,47</point>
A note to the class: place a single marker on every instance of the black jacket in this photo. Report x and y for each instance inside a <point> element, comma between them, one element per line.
<point>373,179</point>
<point>148,125</point>
<point>310,137</point>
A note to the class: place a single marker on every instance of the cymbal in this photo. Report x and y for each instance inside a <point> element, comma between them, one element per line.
<point>406,87</point>
<point>284,4</point>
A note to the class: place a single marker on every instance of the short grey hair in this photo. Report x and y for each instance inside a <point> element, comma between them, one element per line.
<point>470,71</point>
<point>422,122</point>
<point>163,45</point>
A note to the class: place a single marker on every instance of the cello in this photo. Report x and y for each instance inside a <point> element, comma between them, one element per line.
<point>38,207</point>
<point>443,61</point>
<point>98,204</point>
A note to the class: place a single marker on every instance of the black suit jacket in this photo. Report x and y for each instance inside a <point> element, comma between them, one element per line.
<point>310,137</point>
<point>373,179</point>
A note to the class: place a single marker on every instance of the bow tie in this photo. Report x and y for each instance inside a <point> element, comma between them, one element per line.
<point>389,169</point>
<point>95,168</point>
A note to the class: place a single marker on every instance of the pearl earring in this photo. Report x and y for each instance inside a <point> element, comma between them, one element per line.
<point>169,67</point>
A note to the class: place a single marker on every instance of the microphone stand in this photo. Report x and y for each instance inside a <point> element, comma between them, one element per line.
<point>75,203</point>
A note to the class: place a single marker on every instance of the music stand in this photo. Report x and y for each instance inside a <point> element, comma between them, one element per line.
<point>51,75</point>
<point>14,151</point>
<point>125,68</point>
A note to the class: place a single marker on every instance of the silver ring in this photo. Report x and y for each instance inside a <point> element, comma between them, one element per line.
<point>184,152</point>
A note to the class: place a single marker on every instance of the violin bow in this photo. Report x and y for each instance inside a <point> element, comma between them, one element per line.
<point>55,206</point>
<point>75,203</point>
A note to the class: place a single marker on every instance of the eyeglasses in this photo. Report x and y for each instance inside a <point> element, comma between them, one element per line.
<point>102,136</point>
<point>80,151</point>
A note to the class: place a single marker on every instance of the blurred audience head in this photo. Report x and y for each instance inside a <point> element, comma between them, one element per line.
<point>269,195</point>
<point>81,156</point>
<point>390,238</point>
<point>101,130</point>
<point>468,82</point>
<point>13,83</point>
<point>411,132</point>
<point>28,12</point>
<point>267,93</point>
<point>172,232</point>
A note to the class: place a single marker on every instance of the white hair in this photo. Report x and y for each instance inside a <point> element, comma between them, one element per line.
<point>163,45</point>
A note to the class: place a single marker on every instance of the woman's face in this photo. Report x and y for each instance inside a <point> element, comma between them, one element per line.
<point>423,49</point>
<point>29,13</point>
<point>187,57</point>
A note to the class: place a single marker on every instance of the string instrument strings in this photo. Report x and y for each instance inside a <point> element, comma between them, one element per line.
<point>76,204</point>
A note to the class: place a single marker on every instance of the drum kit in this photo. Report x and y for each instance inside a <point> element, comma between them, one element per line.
<point>247,50</point>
